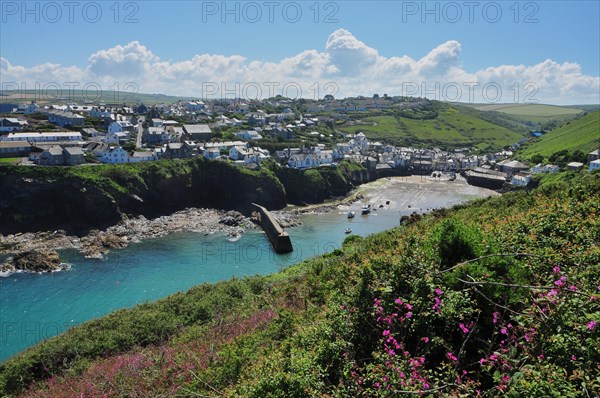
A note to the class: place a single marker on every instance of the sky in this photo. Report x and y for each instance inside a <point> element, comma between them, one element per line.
<point>468,51</point>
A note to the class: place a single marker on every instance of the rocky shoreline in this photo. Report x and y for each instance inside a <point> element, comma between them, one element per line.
<point>129,230</point>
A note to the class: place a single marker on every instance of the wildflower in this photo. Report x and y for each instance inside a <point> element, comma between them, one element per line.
<point>559,283</point>
<point>503,331</point>
<point>541,356</point>
<point>409,314</point>
<point>398,301</point>
<point>451,356</point>
<point>482,361</point>
<point>463,328</point>
<point>425,386</point>
<point>496,316</point>
<point>592,325</point>
<point>573,358</point>
<point>556,270</point>
<point>439,291</point>
<point>572,288</point>
<point>425,340</point>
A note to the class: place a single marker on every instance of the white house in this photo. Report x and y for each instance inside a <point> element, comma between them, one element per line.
<point>211,153</point>
<point>248,135</point>
<point>303,160</point>
<point>142,157</point>
<point>8,124</point>
<point>115,138</point>
<point>521,179</point>
<point>43,137</point>
<point>31,108</point>
<point>115,155</point>
<point>548,168</point>
<point>120,126</point>
<point>326,157</point>
<point>594,165</point>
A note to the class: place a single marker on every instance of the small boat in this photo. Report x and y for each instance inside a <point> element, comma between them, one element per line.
<point>351,214</point>
<point>366,209</point>
<point>348,230</point>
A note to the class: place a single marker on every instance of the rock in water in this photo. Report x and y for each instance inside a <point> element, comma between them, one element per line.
<point>36,261</point>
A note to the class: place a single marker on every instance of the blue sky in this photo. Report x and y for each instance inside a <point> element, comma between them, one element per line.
<point>175,32</point>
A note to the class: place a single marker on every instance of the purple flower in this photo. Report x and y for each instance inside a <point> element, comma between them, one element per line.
<point>463,328</point>
<point>503,331</point>
<point>496,316</point>
<point>572,288</point>
<point>556,269</point>
<point>592,325</point>
<point>439,291</point>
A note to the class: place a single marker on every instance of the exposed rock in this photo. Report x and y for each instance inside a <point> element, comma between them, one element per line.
<point>33,261</point>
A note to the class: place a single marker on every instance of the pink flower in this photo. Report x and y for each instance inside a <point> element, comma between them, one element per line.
<point>439,291</point>
<point>386,332</point>
<point>451,356</point>
<point>572,288</point>
<point>556,269</point>
<point>425,340</point>
<point>496,316</point>
<point>573,358</point>
<point>592,325</point>
<point>425,386</point>
<point>408,314</point>
<point>541,356</point>
<point>503,331</point>
<point>398,301</point>
<point>463,328</point>
<point>408,306</point>
<point>559,283</point>
<point>482,361</point>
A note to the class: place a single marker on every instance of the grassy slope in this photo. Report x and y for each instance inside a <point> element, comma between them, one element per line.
<point>339,325</point>
<point>108,96</point>
<point>451,128</point>
<point>581,134</point>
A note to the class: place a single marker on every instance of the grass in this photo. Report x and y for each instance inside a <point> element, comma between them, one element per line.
<point>9,160</point>
<point>452,127</point>
<point>383,313</point>
<point>531,114</point>
<point>582,134</point>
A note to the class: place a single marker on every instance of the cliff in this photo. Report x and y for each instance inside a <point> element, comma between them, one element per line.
<point>79,199</point>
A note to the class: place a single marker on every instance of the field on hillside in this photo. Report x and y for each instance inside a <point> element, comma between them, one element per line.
<point>582,134</point>
<point>451,128</point>
<point>108,96</point>
<point>537,113</point>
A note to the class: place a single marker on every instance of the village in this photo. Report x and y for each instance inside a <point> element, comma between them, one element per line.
<point>246,133</point>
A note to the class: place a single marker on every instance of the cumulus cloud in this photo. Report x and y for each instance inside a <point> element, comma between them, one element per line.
<point>349,64</point>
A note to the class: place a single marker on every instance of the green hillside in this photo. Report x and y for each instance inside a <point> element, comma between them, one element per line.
<point>498,298</point>
<point>582,134</point>
<point>536,113</point>
<point>440,125</point>
<point>127,95</point>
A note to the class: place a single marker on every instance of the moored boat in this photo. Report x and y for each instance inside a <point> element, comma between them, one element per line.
<point>351,214</point>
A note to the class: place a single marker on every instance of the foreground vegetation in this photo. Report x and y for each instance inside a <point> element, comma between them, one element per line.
<point>496,298</point>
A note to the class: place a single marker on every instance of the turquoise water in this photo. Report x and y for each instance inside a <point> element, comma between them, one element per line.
<point>34,307</point>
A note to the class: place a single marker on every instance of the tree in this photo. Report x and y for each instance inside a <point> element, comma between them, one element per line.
<point>375,96</point>
<point>328,97</point>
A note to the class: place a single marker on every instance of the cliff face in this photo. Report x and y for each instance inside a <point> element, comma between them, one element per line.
<point>79,199</point>
<point>95,197</point>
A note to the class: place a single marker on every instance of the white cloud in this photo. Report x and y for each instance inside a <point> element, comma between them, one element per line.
<point>353,67</point>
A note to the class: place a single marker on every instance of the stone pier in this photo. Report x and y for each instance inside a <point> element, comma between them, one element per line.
<point>280,240</point>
